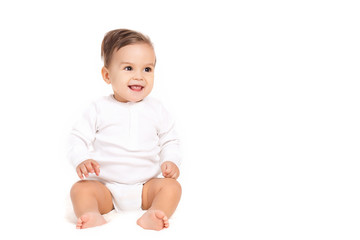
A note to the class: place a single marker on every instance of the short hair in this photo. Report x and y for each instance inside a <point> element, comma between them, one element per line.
<point>118,38</point>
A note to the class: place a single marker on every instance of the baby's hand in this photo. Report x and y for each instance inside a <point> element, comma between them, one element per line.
<point>170,170</point>
<point>86,167</point>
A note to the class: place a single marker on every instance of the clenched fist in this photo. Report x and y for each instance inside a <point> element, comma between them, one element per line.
<point>170,170</point>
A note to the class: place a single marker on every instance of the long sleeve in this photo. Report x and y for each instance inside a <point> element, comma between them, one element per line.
<point>168,140</point>
<point>81,137</point>
<point>128,140</point>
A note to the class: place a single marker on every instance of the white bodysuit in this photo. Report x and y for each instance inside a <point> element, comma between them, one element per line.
<point>130,141</point>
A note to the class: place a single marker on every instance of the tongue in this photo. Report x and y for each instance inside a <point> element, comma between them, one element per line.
<point>136,88</point>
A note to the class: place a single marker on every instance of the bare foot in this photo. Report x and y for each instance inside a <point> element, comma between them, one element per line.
<point>153,220</point>
<point>91,219</point>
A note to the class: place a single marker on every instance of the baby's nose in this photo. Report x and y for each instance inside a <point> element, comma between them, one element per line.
<point>138,75</point>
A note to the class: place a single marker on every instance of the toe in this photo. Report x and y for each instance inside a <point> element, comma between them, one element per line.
<point>160,214</point>
<point>79,223</point>
<point>84,218</point>
<point>166,223</point>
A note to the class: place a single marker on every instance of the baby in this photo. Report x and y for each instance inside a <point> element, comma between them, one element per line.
<point>125,141</point>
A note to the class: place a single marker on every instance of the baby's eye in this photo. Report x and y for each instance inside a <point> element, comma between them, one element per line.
<point>128,68</point>
<point>148,69</point>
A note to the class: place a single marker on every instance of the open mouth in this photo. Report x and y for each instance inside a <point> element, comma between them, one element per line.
<point>136,88</point>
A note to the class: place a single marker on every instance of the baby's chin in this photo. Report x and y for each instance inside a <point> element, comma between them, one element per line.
<point>133,96</point>
<point>135,99</point>
<point>137,96</point>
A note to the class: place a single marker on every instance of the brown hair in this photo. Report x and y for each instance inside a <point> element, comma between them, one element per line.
<point>118,38</point>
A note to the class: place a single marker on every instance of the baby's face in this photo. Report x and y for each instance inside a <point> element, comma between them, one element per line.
<point>131,72</point>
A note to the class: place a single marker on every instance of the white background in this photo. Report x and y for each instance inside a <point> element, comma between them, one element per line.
<point>266,96</point>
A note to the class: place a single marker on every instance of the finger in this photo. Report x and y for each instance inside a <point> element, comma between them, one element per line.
<point>175,173</point>
<point>84,171</point>
<point>78,171</point>
<point>96,166</point>
<point>172,174</point>
<point>89,167</point>
<point>168,175</point>
<point>169,168</point>
<point>163,169</point>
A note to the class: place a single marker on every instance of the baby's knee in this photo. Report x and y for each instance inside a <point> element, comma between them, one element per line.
<point>172,185</point>
<point>81,187</point>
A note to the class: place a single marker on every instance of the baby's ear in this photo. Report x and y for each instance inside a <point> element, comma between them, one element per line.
<point>105,75</point>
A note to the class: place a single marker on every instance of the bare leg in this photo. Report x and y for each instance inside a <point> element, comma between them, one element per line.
<point>160,197</point>
<point>90,200</point>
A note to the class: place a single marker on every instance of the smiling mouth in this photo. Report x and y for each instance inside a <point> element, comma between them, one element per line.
<point>136,88</point>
